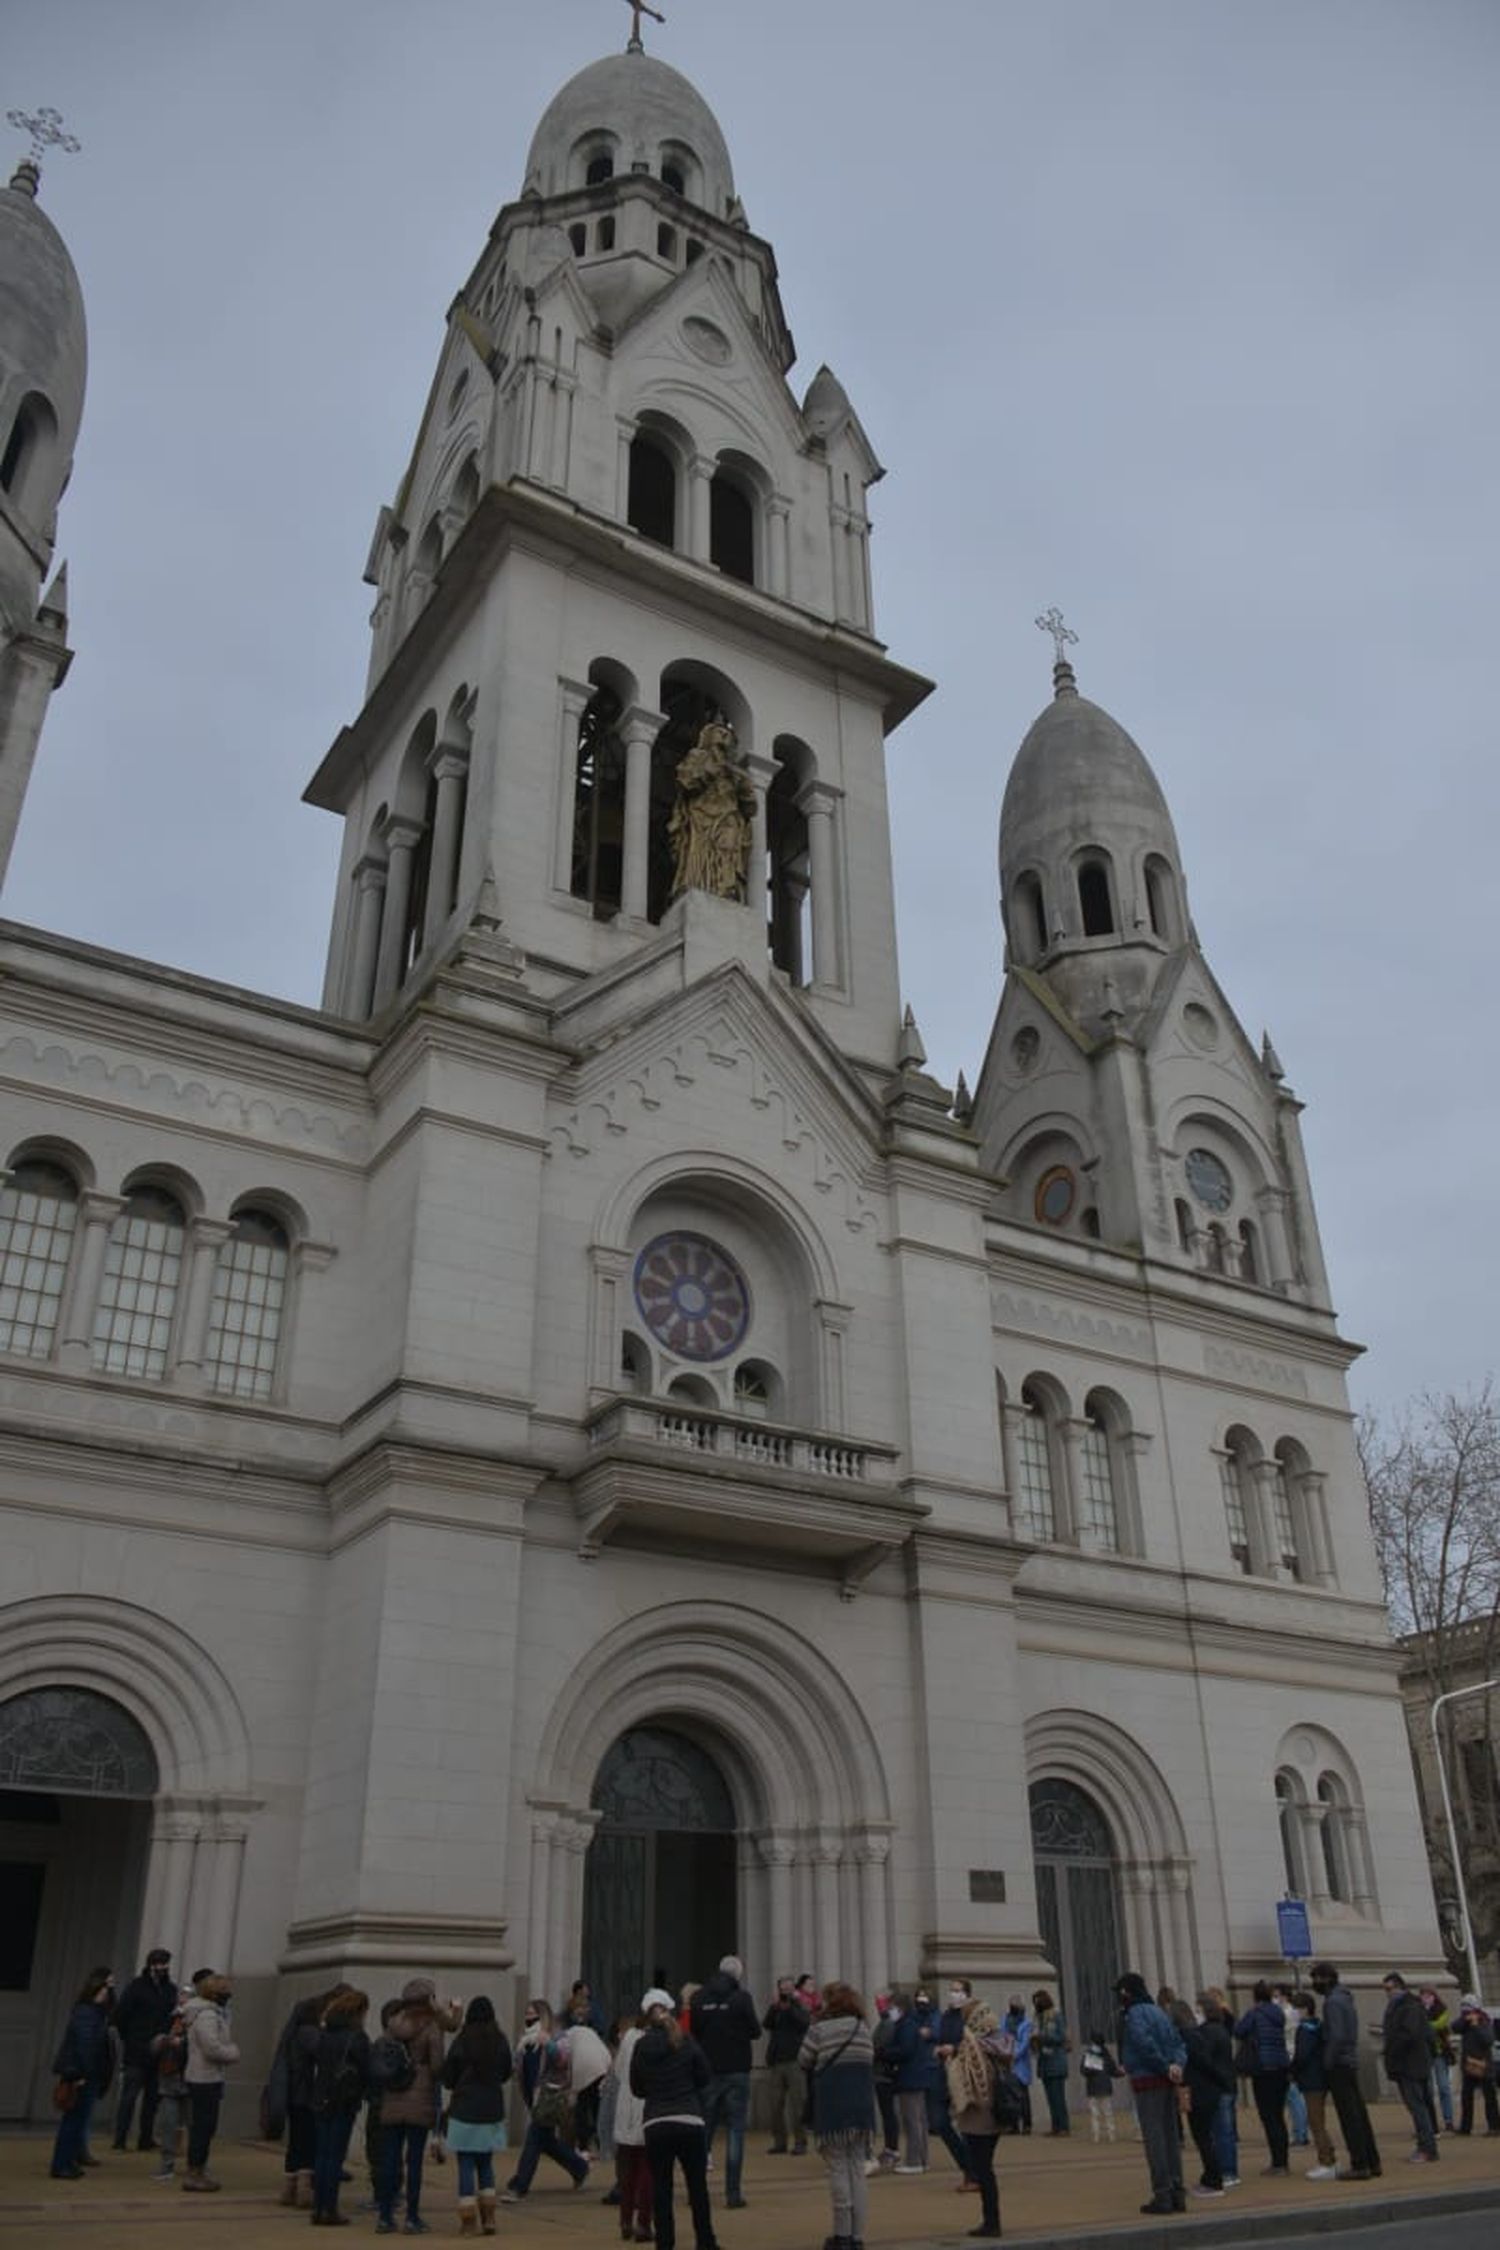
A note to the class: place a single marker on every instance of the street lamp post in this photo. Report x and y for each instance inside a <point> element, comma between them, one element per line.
<point>1456,1695</point>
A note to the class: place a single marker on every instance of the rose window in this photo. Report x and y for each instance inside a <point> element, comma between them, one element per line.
<point>692,1296</point>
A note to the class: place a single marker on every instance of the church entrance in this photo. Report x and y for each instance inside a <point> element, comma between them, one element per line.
<point>1077,1905</point>
<point>660,1885</point>
<point>77,1776</point>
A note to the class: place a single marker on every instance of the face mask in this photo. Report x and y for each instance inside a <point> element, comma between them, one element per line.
<point>957,1999</point>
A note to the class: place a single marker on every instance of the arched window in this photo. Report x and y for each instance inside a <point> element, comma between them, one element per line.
<point>635,1364</point>
<point>1036,1493</point>
<point>599,807</point>
<point>604,234</point>
<point>1288,1817</point>
<point>1333,1832</point>
<point>1284,1523</point>
<point>38,1218</point>
<point>578,238</point>
<point>757,1390</point>
<point>421,883</point>
<point>651,508</point>
<point>731,528</point>
<point>28,452</point>
<point>245,1315</point>
<point>138,1294</point>
<point>75,1742</point>
<point>690,696</point>
<point>788,875</point>
<point>1100,1474</point>
<point>599,168</point>
<point>671,176</point>
<point>1029,927</point>
<point>1095,904</point>
<point>1216,1248</point>
<point>1235,1466</point>
<point>666,244</point>
<point>1161,899</point>
<point>1249,1252</point>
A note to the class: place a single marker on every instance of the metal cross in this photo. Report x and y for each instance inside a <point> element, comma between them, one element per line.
<point>1051,621</point>
<point>642,8</point>
<point>45,128</point>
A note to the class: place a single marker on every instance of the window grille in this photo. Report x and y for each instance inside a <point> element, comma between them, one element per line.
<point>1036,1514</point>
<point>138,1295</point>
<point>1234,1510</point>
<point>38,1215</point>
<point>1286,1530</point>
<point>244,1321</point>
<point>1098,1525</point>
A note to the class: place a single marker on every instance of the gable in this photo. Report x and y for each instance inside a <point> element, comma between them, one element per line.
<point>695,343</point>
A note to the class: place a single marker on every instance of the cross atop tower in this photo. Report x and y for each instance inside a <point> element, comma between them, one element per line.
<point>641,8</point>
<point>1063,636</point>
<point>45,128</point>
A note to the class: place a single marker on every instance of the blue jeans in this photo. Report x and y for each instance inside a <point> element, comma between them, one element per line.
<point>1227,2137</point>
<point>541,2141</point>
<point>73,2133</point>
<point>728,2096</point>
<point>1442,2079</point>
<point>475,2172</point>
<point>334,2129</point>
<point>1297,2111</point>
<point>398,2143</point>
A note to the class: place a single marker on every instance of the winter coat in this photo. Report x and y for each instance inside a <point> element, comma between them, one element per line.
<point>1019,2029</point>
<point>475,2070</point>
<point>84,2054</point>
<point>839,2054</point>
<point>1150,2043</point>
<point>972,2075</point>
<point>725,2024</point>
<point>143,2012</point>
<point>785,2024</point>
<point>1309,2068</point>
<point>1265,2026</point>
<point>301,2055</point>
<point>1476,2039</point>
<point>914,2048</point>
<point>669,2080</point>
<point>1052,2044</point>
<point>210,2048</point>
<point>341,2069</point>
<point>1340,2029</point>
<point>630,2110</point>
<point>1406,2037</point>
<point>420,2029</point>
<point>1209,2071</point>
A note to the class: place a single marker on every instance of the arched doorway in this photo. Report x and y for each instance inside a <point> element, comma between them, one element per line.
<point>660,1901</point>
<point>77,1775</point>
<point>1077,1902</point>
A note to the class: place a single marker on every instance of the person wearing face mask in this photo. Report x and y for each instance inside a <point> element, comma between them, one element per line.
<point>960,1998</point>
<point>785,2025</point>
<point>146,2007</point>
<point>1341,2068</point>
<point>81,2066</point>
<point>210,2050</point>
<point>915,2051</point>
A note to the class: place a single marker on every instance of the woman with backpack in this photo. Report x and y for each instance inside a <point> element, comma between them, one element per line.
<point>406,2063</point>
<point>341,2077</point>
<point>974,2073</point>
<point>475,2072</point>
<point>1051,2042</point>
<point>838,2053</point>
<point>546,2090</point>
<point>82,2067</point>
<point>297,2056</point>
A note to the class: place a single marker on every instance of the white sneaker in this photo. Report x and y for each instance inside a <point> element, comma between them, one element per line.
<point>909,2171</point>
<point>1231,2179</point>
<point>1322,2172</point>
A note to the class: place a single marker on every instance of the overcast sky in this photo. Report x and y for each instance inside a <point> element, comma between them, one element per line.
<point>1179,313</point>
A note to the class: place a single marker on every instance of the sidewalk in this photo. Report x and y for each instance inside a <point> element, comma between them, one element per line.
<point>1048,2189</point>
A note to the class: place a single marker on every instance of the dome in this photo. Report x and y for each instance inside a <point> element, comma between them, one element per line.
<point>642,114</point>
<point>43,362</point>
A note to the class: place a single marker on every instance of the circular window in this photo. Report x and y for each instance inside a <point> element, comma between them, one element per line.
<point>1201,1027</point>
<point>1209,1179</point>
<point>707,341</point>
<point>692,1296</point>
<point>1055,1193</point>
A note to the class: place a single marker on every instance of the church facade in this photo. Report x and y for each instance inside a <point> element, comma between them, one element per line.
<point>577,1453</point>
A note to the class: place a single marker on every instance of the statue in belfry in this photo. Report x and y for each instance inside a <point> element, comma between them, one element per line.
<point>710,824</point>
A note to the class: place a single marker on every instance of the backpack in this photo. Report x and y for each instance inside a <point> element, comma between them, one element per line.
<point>392,2070</point>
<point>338,2081</point>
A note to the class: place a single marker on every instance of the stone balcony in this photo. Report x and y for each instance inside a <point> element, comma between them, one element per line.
<point>660,1471</point>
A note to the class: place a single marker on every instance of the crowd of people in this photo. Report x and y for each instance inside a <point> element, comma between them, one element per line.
<point>871,2087</point>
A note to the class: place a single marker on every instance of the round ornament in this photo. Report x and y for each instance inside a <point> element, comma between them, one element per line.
<point>1201,1026</point>
<point>692,1296</point>
<point>706,341</point>
<point>1025,1048</point>
<point>1209,1179</point>
<point>1055,1193</point>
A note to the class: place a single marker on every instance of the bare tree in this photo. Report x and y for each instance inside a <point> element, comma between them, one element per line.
<point>1433,1476</point>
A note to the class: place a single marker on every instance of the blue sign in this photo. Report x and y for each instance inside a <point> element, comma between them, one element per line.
<point>1294,1928</point>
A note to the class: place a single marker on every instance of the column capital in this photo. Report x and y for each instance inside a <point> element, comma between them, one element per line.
<point>96,1207</point>
<point>818,800</point>
<point>370,873</point>
<point>402,835</point>
<point>776,1851</point>
<point>448,761</point>
<point>209,1233</point>
<point>835,1318</point>
<point>638,720</point>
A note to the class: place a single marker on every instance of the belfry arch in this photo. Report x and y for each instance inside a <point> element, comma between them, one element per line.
<point>799,1764</point>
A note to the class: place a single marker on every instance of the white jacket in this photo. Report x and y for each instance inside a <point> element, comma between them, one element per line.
<point>209,2046</point>
<point>630,2109</point>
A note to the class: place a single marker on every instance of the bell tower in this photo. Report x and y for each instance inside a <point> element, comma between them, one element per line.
<point>620,527</point>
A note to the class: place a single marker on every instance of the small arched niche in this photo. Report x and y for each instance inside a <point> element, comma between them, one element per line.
<point>1096,896</point>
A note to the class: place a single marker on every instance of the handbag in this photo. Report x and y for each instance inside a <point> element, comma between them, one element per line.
<point>1476,2067</point>
<point>65,2093</point>
<point>553,2107</point>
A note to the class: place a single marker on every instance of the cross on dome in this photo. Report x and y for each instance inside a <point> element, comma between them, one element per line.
<point>45,128</point>
<point>641,8</point>
<point>1051,621</point>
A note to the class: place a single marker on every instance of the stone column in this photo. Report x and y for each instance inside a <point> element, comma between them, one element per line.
<point>1137,1886</point>
<point>871,1855</point>
<point>624,436</point>
<point>96,1215</point>
<point>450,768</point>
<point>826,1854</point>
<point>833,1327</point>
<point>539,1903</point>
<point>700,516</point>
<point>1175,1877</point>
<point>777,1854</point>
<point>778,564</point>
<point>1310,1819</point>
<point>575,700</point>
<point>206,1238</point>
<point>640,728</point>
<point>1068,1487</point>
<point>1260,1520</point>
<point>169,1876</point>
<point>359,982</point>
<point>762,772</point>
<point>1271,1202</point>
<point>816,802</point>
<point>402,838</point>
<point>575,1832</point>
<point>611,1269</point>
<point>1311,1486</point>
<point>226,1860</point>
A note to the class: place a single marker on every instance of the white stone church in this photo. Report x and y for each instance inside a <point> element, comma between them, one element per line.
<point>578,1453</point>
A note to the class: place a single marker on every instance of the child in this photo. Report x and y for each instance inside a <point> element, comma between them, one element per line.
<point>1100,2070</point>
<point>168,2053</point>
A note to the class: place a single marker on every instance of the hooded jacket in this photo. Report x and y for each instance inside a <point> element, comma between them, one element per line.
<point>1407,2038</point>
<point>143,2011</point>
<point>209,2047</point>
<point>725,2024</point>
<point>420,2027</point>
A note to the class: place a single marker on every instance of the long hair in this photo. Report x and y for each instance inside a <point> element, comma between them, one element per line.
<point>346,2009</point>
<point>842,2000</point>
<point>91,1985</point>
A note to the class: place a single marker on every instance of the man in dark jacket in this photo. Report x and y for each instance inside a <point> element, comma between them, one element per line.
<point>1341,2067</point>
<point>1154,2057</point>
<point>726,2026</point>
<point>785,2025</point>
<point>145,2010</point>
<point>1407,2045</point>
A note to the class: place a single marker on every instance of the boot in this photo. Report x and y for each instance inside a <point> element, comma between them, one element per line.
<point>486,2210</point>
<point>468,2220</point>
<point>304,2191</point>
<point>288,2193</point>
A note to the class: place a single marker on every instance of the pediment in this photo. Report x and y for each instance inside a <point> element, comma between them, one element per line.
<point>758,1052</point>
<point>696,340</point>
<point>1190,1020</point>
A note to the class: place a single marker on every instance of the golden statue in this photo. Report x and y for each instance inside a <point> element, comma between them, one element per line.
<point>710,825</point>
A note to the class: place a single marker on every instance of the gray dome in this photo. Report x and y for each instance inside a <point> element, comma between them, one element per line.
<point>43,340</point>
<point>639,108</point>
<point>1079,780</point>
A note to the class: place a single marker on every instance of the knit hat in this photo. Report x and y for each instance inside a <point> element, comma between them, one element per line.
<point>418,1989</point>
<point>656,1998</point>
<point>732,1966</point>
<point>1472,2000</point>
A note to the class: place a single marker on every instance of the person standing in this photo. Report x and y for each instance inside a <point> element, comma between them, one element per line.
<point>671,2074</point>
<point>169,2061</point>
<point>1154,2058</point>
<point>973,2073</point>
<point>1476,2062</point>
<point>1310,2076</point>
<point>914,2052</point>
<point>1050,2044</point>
<point>1263,2028</point>
<point>1016,2042</point>
<point>1341,2068</point>
<point>145,2008</point>
<point>785,2025</point>
<point>950,2031</point>
<point>636,2197</point>
<point>341,2080</point>
<point>1207,2074</point>
<point>297,2055</point>
<point>1406,2044</point>
<point>82,2067</point>
<point>726,2027</point>
<point>475,2071</point>
<point>1213,2001</point>
<point>1441,2027</point>
<point>546,2090</point>
<point>210,2051</point>
<point>838,2053</point>
<point>1100,2070</point>
<point>409,2111</point>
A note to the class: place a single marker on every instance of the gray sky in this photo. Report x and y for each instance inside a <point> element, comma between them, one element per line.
<point>1180,313</point>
